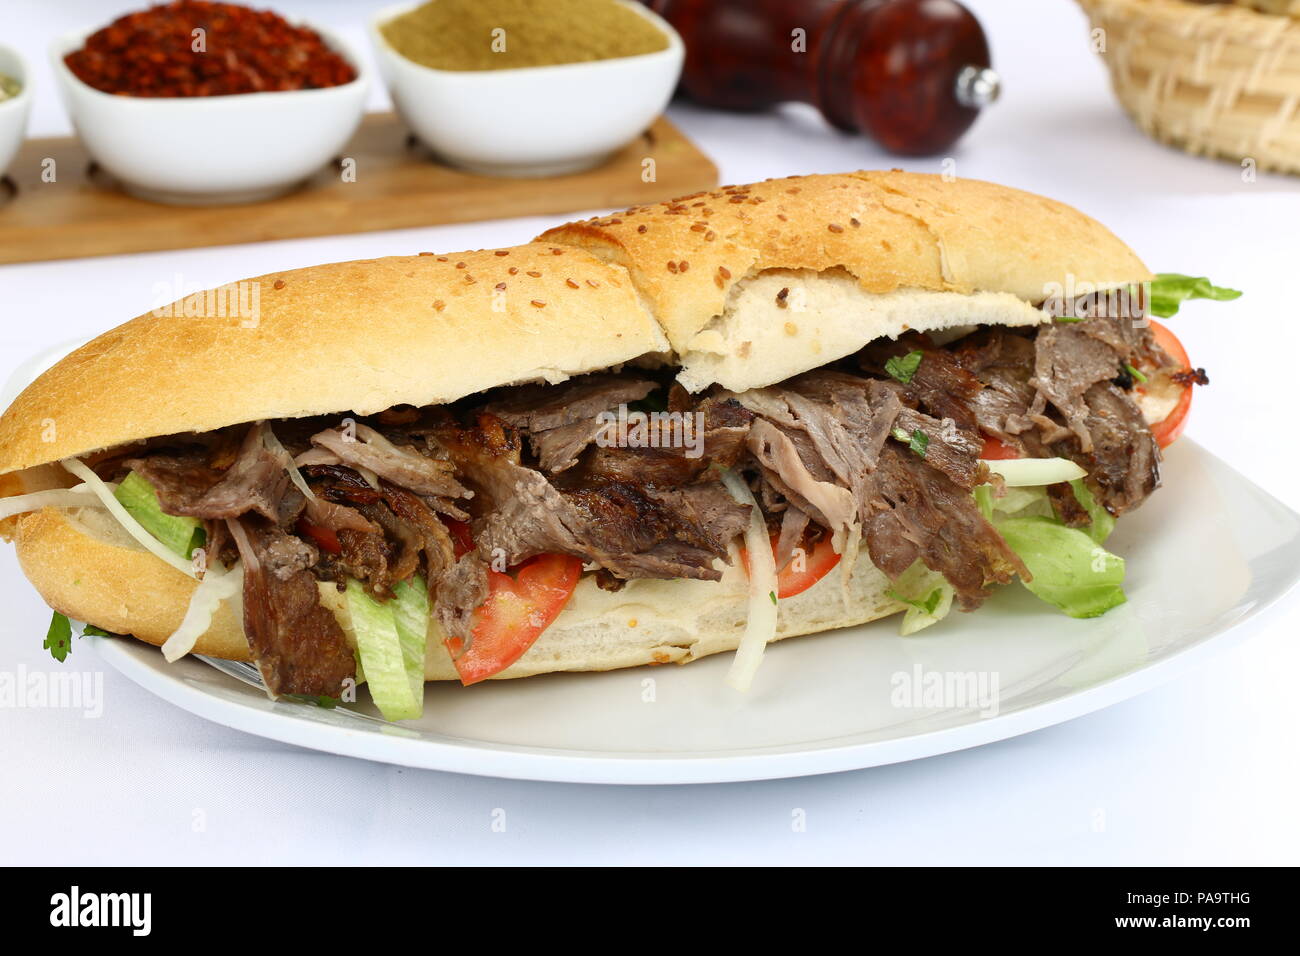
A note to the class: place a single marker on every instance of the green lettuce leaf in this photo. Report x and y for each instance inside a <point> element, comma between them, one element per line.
<point>1070,570</point>
<point>180,534</point>
<point>1170,289</point>
<point>391,638</point>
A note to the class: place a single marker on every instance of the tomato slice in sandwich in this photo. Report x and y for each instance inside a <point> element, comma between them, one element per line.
<point>519,607</point>
<point>804,570</point>
<point>1167,431</point>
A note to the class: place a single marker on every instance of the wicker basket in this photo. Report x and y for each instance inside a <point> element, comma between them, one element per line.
<point>1214,79</point>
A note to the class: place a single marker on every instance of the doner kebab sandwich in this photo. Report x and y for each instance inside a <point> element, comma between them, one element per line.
<point>697,426</point>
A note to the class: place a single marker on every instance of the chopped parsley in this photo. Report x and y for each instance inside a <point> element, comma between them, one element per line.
<point>903,367</point>
<point>1135,373</point>
<point>772,595</point>
<point>58,640</point>
<point>918,441</point>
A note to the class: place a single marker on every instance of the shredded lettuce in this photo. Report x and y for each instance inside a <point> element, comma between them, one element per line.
<point>391,639</point>
<point>181,535</point>
<point>928,597</point>
<point>1170,289</point>
<point>1103,522</point>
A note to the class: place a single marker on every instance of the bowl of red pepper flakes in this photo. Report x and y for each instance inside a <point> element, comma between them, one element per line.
<point>198,102</point>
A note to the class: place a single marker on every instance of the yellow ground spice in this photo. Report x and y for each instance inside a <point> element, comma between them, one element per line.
<point>507,34</point>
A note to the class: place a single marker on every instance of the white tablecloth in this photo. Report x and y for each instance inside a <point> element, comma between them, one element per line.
<point>1201,771</point>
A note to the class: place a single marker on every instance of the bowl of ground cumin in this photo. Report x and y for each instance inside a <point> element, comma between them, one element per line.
<point>526,87</point>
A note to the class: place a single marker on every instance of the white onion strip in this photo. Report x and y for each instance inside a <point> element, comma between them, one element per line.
<point>218,585</point>
<point>274,446</point>
<point>129,524</point>
<point>1027,472</point>
<point>760,623</point>
<point>82,496</point>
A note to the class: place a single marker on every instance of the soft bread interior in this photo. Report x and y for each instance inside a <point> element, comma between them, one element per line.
<point>79,560</point>
<point>782,322</point>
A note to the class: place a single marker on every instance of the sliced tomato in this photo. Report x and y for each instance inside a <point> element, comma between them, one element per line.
<point>804,570</point>
<point>997,450</point>
<point>518,609</point>
<point>325,538</point>
<point>1167,431</point>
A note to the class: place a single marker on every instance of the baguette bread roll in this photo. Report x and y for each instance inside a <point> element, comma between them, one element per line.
<point>696,282</point>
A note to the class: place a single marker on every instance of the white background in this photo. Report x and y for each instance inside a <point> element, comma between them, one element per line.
<point>1200,771</point>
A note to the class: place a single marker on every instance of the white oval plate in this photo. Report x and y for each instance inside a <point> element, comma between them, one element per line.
<point>1206,555</point>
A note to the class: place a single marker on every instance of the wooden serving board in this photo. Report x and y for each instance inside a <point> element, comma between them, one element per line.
<point>397,186</point>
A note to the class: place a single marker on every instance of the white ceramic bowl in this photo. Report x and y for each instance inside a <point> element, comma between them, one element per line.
<point>13,112</point>
<point>201,150</point>
<point>531,121</point>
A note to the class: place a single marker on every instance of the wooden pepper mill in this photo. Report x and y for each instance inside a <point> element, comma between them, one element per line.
<point>913,74</point>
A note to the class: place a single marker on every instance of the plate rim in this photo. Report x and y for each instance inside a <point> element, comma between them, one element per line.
<point>521,762</point>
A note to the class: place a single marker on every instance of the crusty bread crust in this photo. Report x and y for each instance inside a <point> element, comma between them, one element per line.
<point>349,336</point>
<point>890,230</point>
<point>87,568</point>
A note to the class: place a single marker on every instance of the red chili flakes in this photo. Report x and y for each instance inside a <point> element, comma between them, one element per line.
<point>501,252</point>
<point>278,284</point>
<point>500,286</point>
<point>469,278</point>
<point>571,284</point>
<point>460,265</point>
<point>724,272</point>
<point>710,236</point>
<point>513,270</point>
<point>535,275</point>
<point>152,53</point>
<point>835,227</point>
<point>439,305</point>
<point>699,227</point>
<point>641,228</point>
<point>672,267</point>
<point>854,223</point>
<point>442,258</point>
<point>557,252</point>
<point>538,303</point>
<point>781,298</point>
<point>683,265</point>
<point>426,253</point>
<point>593,283</point>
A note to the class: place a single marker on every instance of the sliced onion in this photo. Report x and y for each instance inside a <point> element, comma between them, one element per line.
<point>218,585</point>
<point>274,446</point>
<point>129,524</point>
<point>760,623</point>
<point>82,496</point>
<point>1023,472</point>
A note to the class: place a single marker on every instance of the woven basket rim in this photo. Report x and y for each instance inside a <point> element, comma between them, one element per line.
<point>1199,19</point>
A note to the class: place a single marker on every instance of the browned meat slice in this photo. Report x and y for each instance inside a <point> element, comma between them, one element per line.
<point>939,386</point>
<point>1124,465</point>
<point>255,480</point>
<point>297,644</point>
<point>538,408</point>
<point>632,529</point>
<point>403,465</point>
<point>562,420</point>
<point>1067,362</point>
<point>952,450</point>
<point>919,513</point>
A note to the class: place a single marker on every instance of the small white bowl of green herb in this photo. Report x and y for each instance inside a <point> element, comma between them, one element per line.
<point>522,88</point>
<point>15,104</point>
